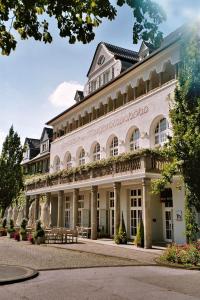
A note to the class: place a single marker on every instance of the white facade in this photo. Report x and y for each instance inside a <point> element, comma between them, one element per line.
<point>146,112</point>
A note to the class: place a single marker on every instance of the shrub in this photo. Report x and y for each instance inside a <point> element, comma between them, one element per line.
<point>4,223</point>
<point>139,239</point>
<point>188,254</point>
<point>39,231</point>
<point>121,236</point>
<point>23,230</point>
<point>11,228</point>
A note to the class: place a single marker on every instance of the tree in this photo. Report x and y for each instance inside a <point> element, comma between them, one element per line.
<point>184,146</point>
<point>185,117</point>
<point>11,178</point>
<point>75,19</point>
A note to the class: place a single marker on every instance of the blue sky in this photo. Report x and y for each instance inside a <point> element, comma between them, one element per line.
<point>37,81</point>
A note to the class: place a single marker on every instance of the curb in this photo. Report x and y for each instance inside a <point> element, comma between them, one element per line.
<point>29,274</point>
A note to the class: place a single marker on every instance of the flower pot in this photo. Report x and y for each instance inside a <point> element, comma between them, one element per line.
<point>23,237</point>
<point>39,240</point>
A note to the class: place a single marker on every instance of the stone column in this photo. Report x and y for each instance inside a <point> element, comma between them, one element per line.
<point>94,212</point>
<point>146,194</point>
<point>60,220</point>
<point>75,207</point>
<point>27,206</point>
<point>48,196</point>
<point>37,205</point>
<point>117,189</point>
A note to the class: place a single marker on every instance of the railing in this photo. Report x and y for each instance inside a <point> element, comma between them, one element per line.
<point>145,163</point>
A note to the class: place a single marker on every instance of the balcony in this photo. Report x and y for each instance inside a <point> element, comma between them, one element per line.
<point>146,161</point>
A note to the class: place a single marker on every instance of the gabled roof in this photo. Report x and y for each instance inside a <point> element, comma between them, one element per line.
<point>48,131</point>
<point>118,52</point>
<point>167,42</point>
<point>33,143</point>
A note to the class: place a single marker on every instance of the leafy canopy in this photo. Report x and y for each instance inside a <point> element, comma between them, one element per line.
<point>75,19</point>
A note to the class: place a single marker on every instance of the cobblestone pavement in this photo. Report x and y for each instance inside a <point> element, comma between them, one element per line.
<point>43,257</point>
<point>107,247</point>
<point>86,253</point>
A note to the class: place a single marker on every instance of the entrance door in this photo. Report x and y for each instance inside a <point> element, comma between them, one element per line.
<point>135,199</point>
<point>168,219</point>
<point>111,213</point>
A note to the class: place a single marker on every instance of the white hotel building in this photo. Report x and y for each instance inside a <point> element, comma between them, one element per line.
<point>124,108</point>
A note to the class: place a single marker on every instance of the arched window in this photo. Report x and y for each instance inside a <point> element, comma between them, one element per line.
<point>68,161</point>
<point>114,147</point>
<point>134,140</point>
<point>161,132</point>
<point>56,165</point>
<point>96,152</point>
<point>82,157</point>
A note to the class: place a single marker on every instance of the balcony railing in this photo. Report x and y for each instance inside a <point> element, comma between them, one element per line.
<point>147,161</point>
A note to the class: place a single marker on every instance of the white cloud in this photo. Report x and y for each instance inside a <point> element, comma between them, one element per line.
<point>63,95</point>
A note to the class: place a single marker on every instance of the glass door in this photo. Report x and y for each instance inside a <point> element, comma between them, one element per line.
<point>135,199</point>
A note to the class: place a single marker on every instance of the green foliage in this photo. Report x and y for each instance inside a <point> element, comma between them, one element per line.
<point>95,165</point>
<point>184,146</point>
<point>11,228</point>
<point>4,223</point>
<point>39,231</point>
<point>11,180</point>
<point>170,169</point>
<point>186,255</point>
<point>139,239</point>
<point>121,236</point>
<point>75,19</point>
<point>23,230</point>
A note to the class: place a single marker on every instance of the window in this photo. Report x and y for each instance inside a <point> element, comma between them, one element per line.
<point>80,209</point>
<point>135,210</point>
<point>67,212</point>
<point>106,77</point>
<point>114,147</point>
<point>161,132</point>
<point>68,161</point>
<point>56,164</point>
<point>96,152</point>
<point>82,157</point>
<point>134,140</point>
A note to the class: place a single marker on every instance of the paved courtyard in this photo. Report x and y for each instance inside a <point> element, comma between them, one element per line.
<point>119,283</point>
<point>83,254</point>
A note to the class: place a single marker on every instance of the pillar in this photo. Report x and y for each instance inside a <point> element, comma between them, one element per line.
<point>48,197</point>
<point>94,212</point>
<point>146,192</point>
<point>117,189</point>
<point>27,206</point>
<point>37,204</point>
<point>75,207</point>
<point>60,220</point>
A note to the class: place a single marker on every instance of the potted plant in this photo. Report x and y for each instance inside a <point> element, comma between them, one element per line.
<point>3,228</point>
<point>17,236</point>
<point>139,239</point>
<point>23,230</point>
<point>31,239</point>
<point>11,229</point>
<point>121,236</point>
<point>39,235</point>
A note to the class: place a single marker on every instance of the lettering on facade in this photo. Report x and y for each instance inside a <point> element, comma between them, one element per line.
<point>113,124</point>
